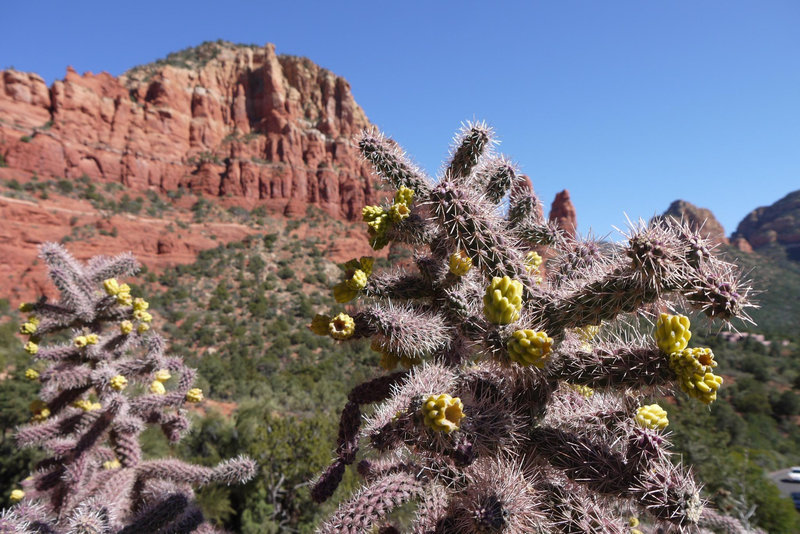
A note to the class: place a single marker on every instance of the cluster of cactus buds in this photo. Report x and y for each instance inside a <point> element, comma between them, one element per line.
<point>99,391</point>
<point>523,405</point>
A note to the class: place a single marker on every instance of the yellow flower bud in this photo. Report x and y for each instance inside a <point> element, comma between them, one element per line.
<point>83,404</point>
<point>126,327</point>
<point>399,212</point>
<point>28,328</point>
<point>443,413</point>
<point>124,299</point>
<point>143,316</point>
<point>503,300</point>
<point>341,327</point>
<point>92,339</point>
<point>112,464</point>
<point>16,495</point>
<point>532,261</point>
<point>672,332</point>
<point>111,286</point>
<point>157,388</point>
<point>404,195</point>
<point>142,328</point>
<point>527,347</point>
<point>633,522</point>
<point>162,375</point>
<point>652,416</point>
<point>80,341</point>
<point>370,213</point>
<point>31,348</point>
<point>139,304</point>
<point>358,281</point>
<point>460,263</point>
<point>194,395</point>
<point>39,409</point>
<point>118,382</point>
<point>32,374</point>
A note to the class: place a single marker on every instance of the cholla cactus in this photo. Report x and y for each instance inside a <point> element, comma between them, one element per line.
<point>100,387</point>
<point>524,408</point>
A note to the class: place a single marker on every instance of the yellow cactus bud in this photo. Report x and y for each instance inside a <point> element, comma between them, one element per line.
<point>157,388</point>
<point>112,464</point>
<point>399,212</point>
<point>126,327</point>
<point>636,531</point>
<point>139,304</point>
<point>162,375</point>
<point>672,332</point>
<point>25,307</point>
<point>527,347</point>
<point>83,404</point>
<point>142,328</point>
<point>118,382</point>
<point>143,316</point>
<point>404,195</point>
<point>342,293</point>
<point>194,395</point>
<point>341,327</point>
<point>28,328</point>
<point>633,522</point>
<point>33,320</point>
<point>652,416</point>
<point>532,262</point>
<point>460,263</point>
<point>370,213</point>
<point>319,324</point>
<point>503,300</point>
<point>39,409</point>
<point>80,341</point>
<point>95,406</point>
<point>124,299</point>
<point>693,369</point>
<point>443,413</point>
<point>111,286</point>
<point>358,281</point>
<point>32,374</point>
<point>31,348</point>
<point>92,339</point>
<point>16,495</point>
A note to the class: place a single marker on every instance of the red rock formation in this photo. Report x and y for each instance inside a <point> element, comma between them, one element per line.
<point>701,220</point>
<point>562,212</point>
<point>777,225</point>
<point>221,120</point>
<point>157,243</point>
<point>742,244</point>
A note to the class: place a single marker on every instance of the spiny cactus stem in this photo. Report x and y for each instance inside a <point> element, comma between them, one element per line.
<point>613,367</point>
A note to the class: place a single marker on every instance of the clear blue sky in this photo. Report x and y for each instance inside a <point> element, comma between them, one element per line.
<point>628,104</point>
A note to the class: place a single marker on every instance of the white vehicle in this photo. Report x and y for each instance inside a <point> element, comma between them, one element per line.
<point>794,474</point>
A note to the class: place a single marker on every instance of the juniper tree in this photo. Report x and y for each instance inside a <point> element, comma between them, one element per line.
<point>523,402</point>
<point>104,378</point>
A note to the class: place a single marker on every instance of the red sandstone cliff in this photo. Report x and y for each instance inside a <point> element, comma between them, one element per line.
<point>221,120</point>
<point>563,213</point>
